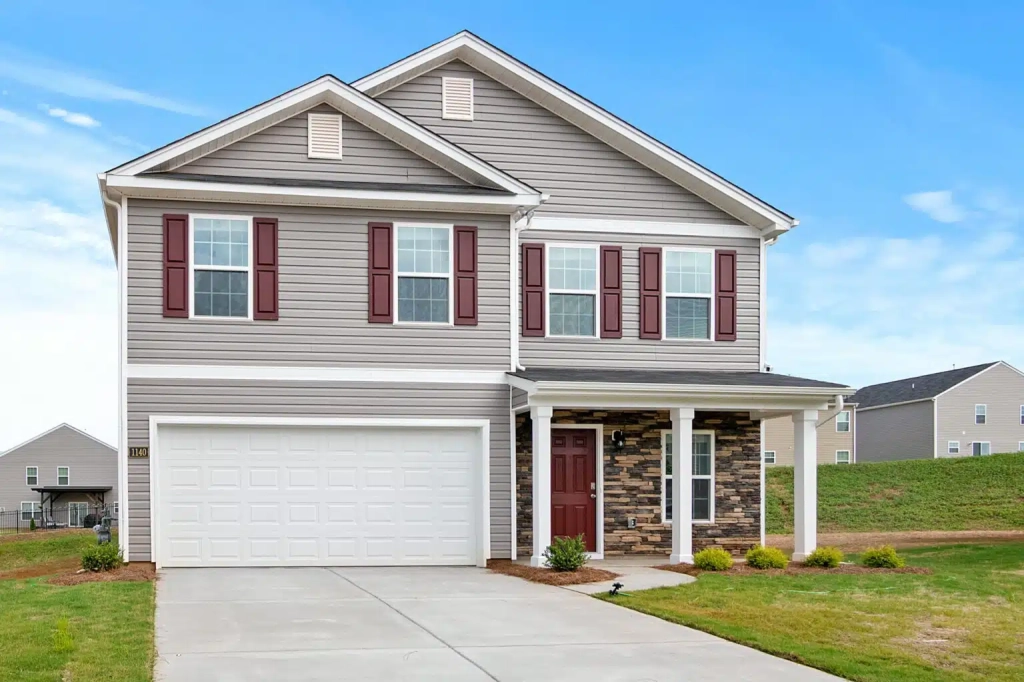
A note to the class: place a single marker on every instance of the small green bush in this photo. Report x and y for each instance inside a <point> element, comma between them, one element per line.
<point>31,524</point>
<point>882,557</point>
<point>766,557</point>
<point>566,554</point>
<point>712,559</point>
<point>825,557</point>
<point>102,558</point>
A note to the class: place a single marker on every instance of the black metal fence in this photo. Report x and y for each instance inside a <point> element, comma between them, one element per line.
<point>68,515</point>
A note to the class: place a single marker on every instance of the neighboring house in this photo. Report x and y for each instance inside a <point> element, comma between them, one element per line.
<point>61,474</point>
<point>836,429</point>
<point>975,410</point>
<point>441,315</point>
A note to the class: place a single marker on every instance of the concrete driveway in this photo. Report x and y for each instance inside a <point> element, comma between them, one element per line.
<point>451,624</point>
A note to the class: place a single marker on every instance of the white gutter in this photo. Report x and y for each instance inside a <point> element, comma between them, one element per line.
<point>518,221</point>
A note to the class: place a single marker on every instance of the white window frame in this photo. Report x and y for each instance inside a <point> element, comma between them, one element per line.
<point>1020,446</point>
<point>116,509</point>
<point>192,267</point>
<point>37,508</point>
<point>983,414</point>
<point>665,295</point>
<point>766,460</point>
<point>983,443</point>
<point>847,422</point>
<point>666,480</point>
<point>35,475</point>
<point>548,290</point>
<point>849,457</point>
<point>450,276</point>
<point>953,447</point>
<point>67,476</point>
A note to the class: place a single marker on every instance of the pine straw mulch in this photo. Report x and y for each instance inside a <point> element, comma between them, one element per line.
<point>548,576</point>
<point>795,569</point>
<point>135,572</point>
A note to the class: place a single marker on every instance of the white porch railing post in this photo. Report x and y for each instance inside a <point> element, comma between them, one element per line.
<point>541,417</point>
<point>805,483</point>
<point>682,488</point>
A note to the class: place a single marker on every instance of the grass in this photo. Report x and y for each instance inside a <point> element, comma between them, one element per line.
<point>969,493</point>
<point>959,624</point>
<point>95,631</point>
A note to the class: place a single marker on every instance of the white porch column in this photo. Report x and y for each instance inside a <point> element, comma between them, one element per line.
<point>541,417</point>
<point>682,489</point>
<point>805,483</point>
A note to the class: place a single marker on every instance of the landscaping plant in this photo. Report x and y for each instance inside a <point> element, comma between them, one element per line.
<point>825,557</point>
<point>882,557</point>
<point>713,559</point>
<point>566,554</point>
<point>766,557</point>
<point>102,557</point>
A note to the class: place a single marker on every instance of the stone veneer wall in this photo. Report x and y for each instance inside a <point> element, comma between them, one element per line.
<point>632,480</point>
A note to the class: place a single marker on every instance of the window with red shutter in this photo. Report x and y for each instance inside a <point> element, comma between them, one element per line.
<point>381,271</point>
<point>650,293</point>
<point>176,286</point>
<point>465,276</point>
<point>265,269</point>
<point>533,290</point>
<point>611,292</point>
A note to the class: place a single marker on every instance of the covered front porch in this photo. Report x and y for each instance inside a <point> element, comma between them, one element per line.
<point>617,449</point>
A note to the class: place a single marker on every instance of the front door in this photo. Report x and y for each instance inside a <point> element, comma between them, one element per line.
<point>574,484</point>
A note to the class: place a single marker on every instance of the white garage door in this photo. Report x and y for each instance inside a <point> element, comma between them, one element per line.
<point>316,496</point>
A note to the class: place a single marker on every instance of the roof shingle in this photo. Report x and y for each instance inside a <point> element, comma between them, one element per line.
<point>914,388</point>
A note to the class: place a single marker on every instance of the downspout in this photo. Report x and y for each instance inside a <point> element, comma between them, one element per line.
<point>518,221</point>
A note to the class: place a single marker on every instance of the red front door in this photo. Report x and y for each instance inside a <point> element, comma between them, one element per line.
<point>574,484</point>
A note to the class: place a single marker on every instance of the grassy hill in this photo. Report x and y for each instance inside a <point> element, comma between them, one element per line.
<point>969,493</point>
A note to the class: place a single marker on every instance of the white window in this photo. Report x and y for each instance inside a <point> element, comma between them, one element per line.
<point>702,478</point>
<point>769,457</point>
<point>980,414</point>
<point>842,456</point>
<point>63,476</point>
<point>688,294</point>
<point>1020,448</point>
<point>221,276</point>
<point>953,447</point>
<point>424,258</point>
<point>843,422</point>
<point>979,448</point>
<point>31,475</point>
<point>572,291</point>
<point>116,508</point>
<point>31,510</point>
<point>457,98</point>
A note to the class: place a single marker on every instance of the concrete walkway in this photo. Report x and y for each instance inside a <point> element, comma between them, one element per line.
<point>635,573</point>
<point>451,624</point>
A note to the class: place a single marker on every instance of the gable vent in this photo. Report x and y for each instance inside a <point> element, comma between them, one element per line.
<point>325,136</point>
<point>457,98</point>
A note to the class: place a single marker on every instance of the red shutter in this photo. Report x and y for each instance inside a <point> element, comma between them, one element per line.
<point>264,259</point>
<point>381,271</point>
<point>650,293</point>
<point>611,292</point>
<point>725,295</point>
<point>465,275</point>
<point>175,265</point>
<point>533,290</point>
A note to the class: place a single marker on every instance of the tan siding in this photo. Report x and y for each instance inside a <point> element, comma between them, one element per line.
<point>898,432</point>
<point>583,175</point>
<point>281,151</point>
<point>323,298</point>
<point>778,436</point>
<point>1002,390</point>
<point>630,350</point>
<point>318,399</point>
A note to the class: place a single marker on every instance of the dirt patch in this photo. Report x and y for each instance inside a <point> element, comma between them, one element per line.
<point>935,644</point>
<point>135,572</point>
<point>548,576</point>
<point>796,569</point>
<point>858,542</point>
<point>44,534</point>
<point>37,570</point>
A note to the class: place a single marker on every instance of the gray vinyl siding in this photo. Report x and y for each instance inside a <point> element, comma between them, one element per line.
<point>898,432</point>
<point>631,351</point>
<point>583,175</point>
<point>778,436</point>
<point>323,285</point>
<point>519,398</point>
<point>317,399</point>
<point>1002,390</point>
<point>90,462</point>
<point>281,151</point>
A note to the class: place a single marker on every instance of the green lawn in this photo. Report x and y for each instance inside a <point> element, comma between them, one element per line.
<point>969,493</point>
<point>42,548</point>
<point>962,623</point>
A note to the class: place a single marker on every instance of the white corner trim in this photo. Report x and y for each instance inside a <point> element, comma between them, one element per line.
<point>642,227</point>
<point>339,374</point>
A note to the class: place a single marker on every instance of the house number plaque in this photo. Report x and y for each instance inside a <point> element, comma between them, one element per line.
<point>138,452</point>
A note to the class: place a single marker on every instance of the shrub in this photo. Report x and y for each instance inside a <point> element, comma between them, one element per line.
<point>766,557</point>
<point>566,554</point>
<point>102,558</point>
<point>882,557</point>
<point>31,524</point>
<point>825,557</point>
<point>712,559</point>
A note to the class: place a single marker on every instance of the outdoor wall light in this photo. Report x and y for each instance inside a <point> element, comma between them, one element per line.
<point>618,440</point>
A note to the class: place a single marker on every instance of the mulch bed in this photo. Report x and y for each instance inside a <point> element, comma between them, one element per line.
<point>548,576</point>
<point>796,569</point>
<point>135,572</point>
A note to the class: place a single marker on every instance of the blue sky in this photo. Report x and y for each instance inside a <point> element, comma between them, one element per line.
<point>894,133</point>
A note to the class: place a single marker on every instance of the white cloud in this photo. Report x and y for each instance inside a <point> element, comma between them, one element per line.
<point>81,120</point>
<point>23,123</point>
<point>937,206</point>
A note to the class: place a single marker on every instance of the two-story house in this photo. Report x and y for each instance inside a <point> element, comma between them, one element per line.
<point>837,430</point>
<point>439,315</point>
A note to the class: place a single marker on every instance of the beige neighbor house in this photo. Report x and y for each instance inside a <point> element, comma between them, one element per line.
<point>836,441</point>
<point>975,411</point>
<point>439,315</point>
<point>59,476</point>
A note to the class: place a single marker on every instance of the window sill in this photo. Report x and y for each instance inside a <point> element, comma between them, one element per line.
<point>211,318</point>
<point>698,341</point>
<point>692,523</point>
<point>439,325</point>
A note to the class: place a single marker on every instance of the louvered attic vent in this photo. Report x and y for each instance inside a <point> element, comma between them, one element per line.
<point>457,98</point>
<point>325,136</point>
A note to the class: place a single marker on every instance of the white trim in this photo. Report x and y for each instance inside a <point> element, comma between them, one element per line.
<point>315,116</point>
<point>32,512</point>
<point>31,466</point>
<point>514,501</point>
<point>548,290</point>
<point>192,266</point>
<point>340,374</point>
<point>762,323</point>
<point>68,476</point>
<point>849,421</point>
<point>1020,446</point>
<point>450,275</point>
<point>935,429</point>
<point>949,447</point>
<point>33,439</point>
<point>665,521</point>
<point>484,425</point>
<point>598,430</point>
<point>761,477</point>
<point>764,454</point>
<point>619,389</point>
<point>123,524</point>
<point>710,296</point>
<point>444,98</point>
<point>849,457</point>
<point>1022,415</point>
<point>983,414</point>
<point>641,227</point>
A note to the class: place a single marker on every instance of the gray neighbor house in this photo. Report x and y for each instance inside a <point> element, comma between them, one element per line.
<point>976,410</point>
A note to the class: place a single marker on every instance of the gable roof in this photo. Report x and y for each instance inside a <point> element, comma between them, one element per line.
<point>915,389</point>
<point>58,427</point>
<point>578,110</point>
